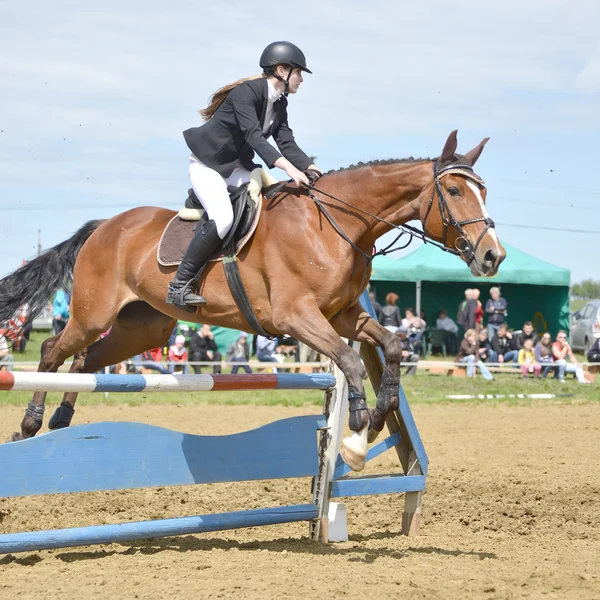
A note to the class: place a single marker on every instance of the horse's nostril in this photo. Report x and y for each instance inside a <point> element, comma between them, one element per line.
<point>490,257</point>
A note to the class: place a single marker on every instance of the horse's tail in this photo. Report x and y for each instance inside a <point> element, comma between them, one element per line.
<point>36,281</point>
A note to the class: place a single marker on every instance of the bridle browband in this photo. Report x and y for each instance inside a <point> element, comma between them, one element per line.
<point>464,248</point>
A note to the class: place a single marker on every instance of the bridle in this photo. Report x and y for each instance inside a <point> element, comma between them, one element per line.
<point>464,248</point>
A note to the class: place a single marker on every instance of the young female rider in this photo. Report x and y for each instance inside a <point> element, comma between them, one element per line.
<point>240,118</point>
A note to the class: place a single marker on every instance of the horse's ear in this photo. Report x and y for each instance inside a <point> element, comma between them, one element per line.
<point>450,148</point>
<point>473,155</point>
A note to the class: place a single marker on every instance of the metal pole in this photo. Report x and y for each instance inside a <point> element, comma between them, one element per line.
<point>418,304</point>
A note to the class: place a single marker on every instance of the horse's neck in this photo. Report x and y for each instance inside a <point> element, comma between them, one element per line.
<point>392,192</point>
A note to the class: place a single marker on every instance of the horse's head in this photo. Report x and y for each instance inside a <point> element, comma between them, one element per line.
<point>455,214</point>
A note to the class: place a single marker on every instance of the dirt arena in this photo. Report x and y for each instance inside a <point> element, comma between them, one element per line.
<point>512,510</point>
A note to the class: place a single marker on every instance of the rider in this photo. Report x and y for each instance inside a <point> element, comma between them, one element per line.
<point>240,118</point>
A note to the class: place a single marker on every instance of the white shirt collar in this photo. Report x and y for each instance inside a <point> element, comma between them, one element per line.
<point>274,95</point>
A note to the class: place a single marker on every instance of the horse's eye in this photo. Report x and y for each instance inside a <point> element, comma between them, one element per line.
<point>454,191</point>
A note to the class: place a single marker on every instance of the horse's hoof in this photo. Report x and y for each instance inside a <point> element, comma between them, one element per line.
<point>354,450</point>
<point>15,437</point>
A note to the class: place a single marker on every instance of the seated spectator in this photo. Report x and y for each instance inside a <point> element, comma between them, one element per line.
<point>495,309</point>
<point>527,360</point>
<point>6,357</point>
<point>543,354</point>
<point>376,306</point>
<point>266,350</point>
<point>390,313</point>
<point>594,354</point>
<point>528,333</point>
<point>203,348</point>
<point>486,352</point>
<point>561,350</point>
<point>178,354</point>
<point>151,359</point>
<point>478,310</point>
<point>465,317</point>
<point>416,327</point>
<point>239,352</point>
<point>504,345</point>
<point>408,352</point>
<point>469,353</point>
<point>445,322</point>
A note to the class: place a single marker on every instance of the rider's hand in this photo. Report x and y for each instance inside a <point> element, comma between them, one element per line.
<point>297,175</point>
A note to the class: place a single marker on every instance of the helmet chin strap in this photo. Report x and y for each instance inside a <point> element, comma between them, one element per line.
<point>286,81</point>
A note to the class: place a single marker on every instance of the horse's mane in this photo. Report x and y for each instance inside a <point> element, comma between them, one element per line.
<point>378,163</point>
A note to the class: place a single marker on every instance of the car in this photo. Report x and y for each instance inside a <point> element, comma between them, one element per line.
<point>585,326</point>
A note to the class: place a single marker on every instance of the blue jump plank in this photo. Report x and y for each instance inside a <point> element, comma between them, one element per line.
<point>384,484</point>
<point>110,456</point>
<point>123,532</point>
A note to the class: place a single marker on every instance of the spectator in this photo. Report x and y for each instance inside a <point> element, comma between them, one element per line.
<point>527,359</point>
<point>543,354</point>
<point>504,345</point>
<point>465,317</point>
<point>561,350</point>
<point>527,333</point>
<point>408,352</point>
<point>178,354</point>
<point>266,350</point>
<point>203,348</point>
<point>390,313</point>
<point>151,359</point>
<point>478,310</point>
<point>376,306</point>
<point>239,352</point>
<point>469,353</point>
<point>594,354</point>
<point>6,357</point>
<point>495,309</point>
<point>486,352</point>
<point>416,327</point>
<point>60,310</point>
<point>445,323</point>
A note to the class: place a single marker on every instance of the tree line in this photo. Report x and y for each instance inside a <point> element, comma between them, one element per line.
<point>587,289</point>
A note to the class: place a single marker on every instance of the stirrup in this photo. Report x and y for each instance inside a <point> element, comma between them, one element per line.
<point>184,298</point>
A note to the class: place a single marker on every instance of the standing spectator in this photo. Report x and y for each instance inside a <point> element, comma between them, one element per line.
<point>486,352</point>
<point>495,309</point>
<point>376,306</point>
<point>178,354</point>
<point>408,352</point>
<point>445,323</point>
<point>469,353</point>
<point>478,310</point>
<point>543,354</point>
<point>527,359</point>
<point>561,350</point>
<point>528,333</point>
<point>594,353</point>
<point>203,348</point>
<point>151,359</point>
<point>504,345</point>
<point>390,313</point>
<point>60,310</point>
<point>6,358</point>
<point>239,352</point>
<point>465,317</point>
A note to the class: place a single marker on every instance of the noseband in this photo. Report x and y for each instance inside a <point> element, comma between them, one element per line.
<point>464,248</point>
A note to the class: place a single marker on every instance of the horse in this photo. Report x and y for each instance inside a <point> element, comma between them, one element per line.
<point>304,270</point>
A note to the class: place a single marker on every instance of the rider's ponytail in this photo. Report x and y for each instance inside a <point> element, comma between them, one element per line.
<point>220,95</point>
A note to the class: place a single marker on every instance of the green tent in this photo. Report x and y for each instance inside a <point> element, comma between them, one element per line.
<point>535,290</point>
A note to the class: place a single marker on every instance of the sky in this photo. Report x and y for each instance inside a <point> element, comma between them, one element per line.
<point>94,97</point>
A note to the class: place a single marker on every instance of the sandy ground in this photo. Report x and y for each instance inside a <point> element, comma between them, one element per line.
<point>511,511</point>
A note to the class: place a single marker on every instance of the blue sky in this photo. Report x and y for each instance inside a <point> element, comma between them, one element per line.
<point>95,96</point>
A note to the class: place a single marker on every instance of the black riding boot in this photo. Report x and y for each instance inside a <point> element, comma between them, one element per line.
<point>203,245</point>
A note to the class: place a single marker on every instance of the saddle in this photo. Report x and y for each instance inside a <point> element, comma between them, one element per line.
<point>246,201</point>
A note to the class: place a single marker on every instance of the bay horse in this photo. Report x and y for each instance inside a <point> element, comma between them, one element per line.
<point>303,274</point>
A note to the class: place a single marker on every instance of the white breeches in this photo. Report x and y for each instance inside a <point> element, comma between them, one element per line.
<point>211,189</point>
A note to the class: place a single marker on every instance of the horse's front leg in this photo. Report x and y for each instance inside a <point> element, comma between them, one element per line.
<point>356,324</point>
<point>306,323</point>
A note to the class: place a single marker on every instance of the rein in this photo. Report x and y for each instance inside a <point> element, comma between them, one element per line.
<point>464,248</point>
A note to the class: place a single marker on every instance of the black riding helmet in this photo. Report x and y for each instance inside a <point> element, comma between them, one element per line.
<point>283,53</point>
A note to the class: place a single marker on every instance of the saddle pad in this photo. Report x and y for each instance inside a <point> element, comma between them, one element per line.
<point>178,234</point>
